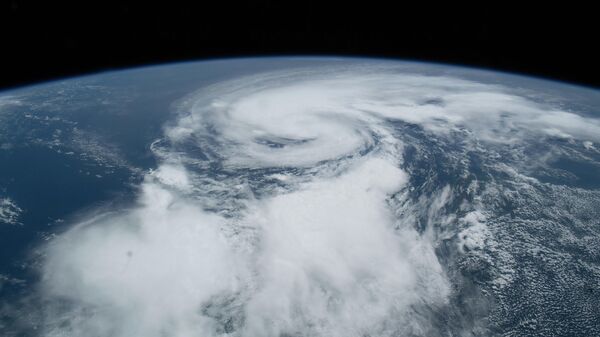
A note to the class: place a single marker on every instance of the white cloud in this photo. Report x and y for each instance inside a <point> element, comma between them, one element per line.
<point>145,271</point>
<point>474,236</point>
<point>331,263</point>
<point>173,175</point>
<point>9,211</point>
<point>588,145</point>
<point>327,261</point>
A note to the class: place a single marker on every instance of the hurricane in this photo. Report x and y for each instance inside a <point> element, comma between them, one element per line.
<point>339,201</point>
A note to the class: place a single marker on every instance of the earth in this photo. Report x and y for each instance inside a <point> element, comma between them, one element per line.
<point>300,196</point>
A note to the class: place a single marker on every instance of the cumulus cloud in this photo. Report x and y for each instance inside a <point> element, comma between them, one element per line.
<point>327,262</point>
<point>320,251</point>
<point>145,272</point>
<point>9,211</point>
<point>331,263</point>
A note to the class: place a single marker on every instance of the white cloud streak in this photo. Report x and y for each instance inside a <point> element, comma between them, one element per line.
<point>9,211</point>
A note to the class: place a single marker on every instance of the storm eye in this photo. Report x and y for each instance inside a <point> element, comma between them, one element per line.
<point>281,142</point>
<point>434,101</point>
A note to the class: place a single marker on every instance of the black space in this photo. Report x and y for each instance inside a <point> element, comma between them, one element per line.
<point>43,40</point>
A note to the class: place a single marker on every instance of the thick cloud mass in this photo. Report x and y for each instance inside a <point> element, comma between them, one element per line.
<point>280,209</point>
